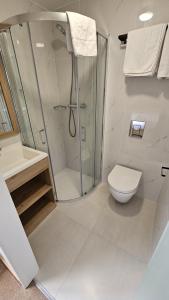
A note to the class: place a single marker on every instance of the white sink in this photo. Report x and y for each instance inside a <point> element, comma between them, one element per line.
<point>16,157</point>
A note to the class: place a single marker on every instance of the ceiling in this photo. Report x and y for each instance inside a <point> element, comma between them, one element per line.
<point>53,4</point>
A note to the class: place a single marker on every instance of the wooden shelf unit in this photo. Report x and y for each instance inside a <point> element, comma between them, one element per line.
<point>39,211</point>
<point>32,194</point>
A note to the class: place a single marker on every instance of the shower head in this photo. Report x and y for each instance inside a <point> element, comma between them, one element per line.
<point>61,29</point>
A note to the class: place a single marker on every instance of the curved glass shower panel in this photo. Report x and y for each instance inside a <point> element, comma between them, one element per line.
<point>25,62</point>
<point>100,97</point>
<point>55,71</point>
<point>12,72</point>
<point>87,112</point>
<point>63,97</point>
<point>91,78</point>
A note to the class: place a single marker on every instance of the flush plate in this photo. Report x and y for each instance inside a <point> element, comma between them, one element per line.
<point>136,128</point>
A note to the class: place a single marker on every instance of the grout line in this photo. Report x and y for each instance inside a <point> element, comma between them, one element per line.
<point>43,289</point>
<point>74,261</point>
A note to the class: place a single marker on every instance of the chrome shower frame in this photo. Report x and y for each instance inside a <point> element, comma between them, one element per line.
<point>40,16</point>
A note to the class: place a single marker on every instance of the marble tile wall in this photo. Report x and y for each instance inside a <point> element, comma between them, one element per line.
<point>55,86</point>
<point>50,89</point>
<point>144,99</point>
<point>63,62</point>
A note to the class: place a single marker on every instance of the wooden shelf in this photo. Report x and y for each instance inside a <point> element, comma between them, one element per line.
<point>39,212</point>
<point>32,198</point>
<point>32,193</point>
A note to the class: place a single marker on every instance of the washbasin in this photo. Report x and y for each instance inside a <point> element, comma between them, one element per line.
<point>16,157</point>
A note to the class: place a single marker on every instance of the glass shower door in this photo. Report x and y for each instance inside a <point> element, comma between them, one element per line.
<point>100,99</point>
<point>87,107</point>
<point>59,101</point>
<point>91,80</point>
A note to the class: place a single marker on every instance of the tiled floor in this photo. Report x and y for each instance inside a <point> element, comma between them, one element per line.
<point>10,289</point>
<point>68,184</point>
<point>94,248</point>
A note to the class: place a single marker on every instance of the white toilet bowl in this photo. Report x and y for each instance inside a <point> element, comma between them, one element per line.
<point>123,183</point>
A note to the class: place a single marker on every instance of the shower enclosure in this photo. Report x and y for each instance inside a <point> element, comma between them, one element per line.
<point>58,98</point>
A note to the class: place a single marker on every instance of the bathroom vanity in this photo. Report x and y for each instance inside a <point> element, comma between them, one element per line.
<point>27,175</point>
<point>25,170</point>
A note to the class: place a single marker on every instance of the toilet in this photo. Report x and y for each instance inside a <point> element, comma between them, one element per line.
<point>123,183</point>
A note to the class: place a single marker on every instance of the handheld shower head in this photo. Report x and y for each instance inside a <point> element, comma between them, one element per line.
<point>61,29</point>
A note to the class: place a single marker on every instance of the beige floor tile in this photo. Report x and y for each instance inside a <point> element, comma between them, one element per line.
<point>56,245</point>
<point>129,225</point>
<point>100,195</point>
<point>102,271</point>
<point>83,212</point>
<point>94,248</point>
<point>87,210</point>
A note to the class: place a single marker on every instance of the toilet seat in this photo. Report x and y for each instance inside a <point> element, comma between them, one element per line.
<point>124,180</point>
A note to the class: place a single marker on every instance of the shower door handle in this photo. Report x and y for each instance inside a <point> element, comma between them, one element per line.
<point>75,106</point>
<point>83,134</point>
<point>42,136</point>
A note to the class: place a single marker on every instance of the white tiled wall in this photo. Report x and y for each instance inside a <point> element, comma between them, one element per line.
<point>48,78</point>
<point>133,98</point>
<point>145,99</point>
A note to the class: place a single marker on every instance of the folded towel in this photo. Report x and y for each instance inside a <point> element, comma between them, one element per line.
<point>143,50</point>
<point>163,70</point>
<point>81,35</point>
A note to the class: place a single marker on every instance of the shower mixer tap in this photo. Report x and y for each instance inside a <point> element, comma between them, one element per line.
<point>69,106</point>
<point>60,107</point>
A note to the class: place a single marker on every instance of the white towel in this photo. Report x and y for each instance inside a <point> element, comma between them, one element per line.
<point>143,50</point>
<point>81,35</point>
<point>163,71</point>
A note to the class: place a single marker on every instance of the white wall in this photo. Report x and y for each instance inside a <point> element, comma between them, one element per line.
<point>138,98</point>
<point>155,283</point>
<point>49,76</point>
<point>14,245</point>
<point>162,211</point>
<point>133,98</point>
<point>11,8</point>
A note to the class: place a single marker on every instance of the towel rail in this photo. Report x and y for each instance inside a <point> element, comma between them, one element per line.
<point>123,39</point>
<point>162,169</point>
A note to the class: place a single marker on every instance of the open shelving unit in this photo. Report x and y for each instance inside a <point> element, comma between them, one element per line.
<point>32,194</point>
<point>28,194</point>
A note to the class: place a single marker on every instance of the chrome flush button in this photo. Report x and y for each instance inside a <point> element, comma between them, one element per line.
<point>136,128</point>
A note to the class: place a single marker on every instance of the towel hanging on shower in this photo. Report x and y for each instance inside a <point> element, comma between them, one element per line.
<point>143,50</point>
<point>81,35</point>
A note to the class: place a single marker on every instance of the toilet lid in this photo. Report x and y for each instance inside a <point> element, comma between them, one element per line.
<point>124,180</point>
